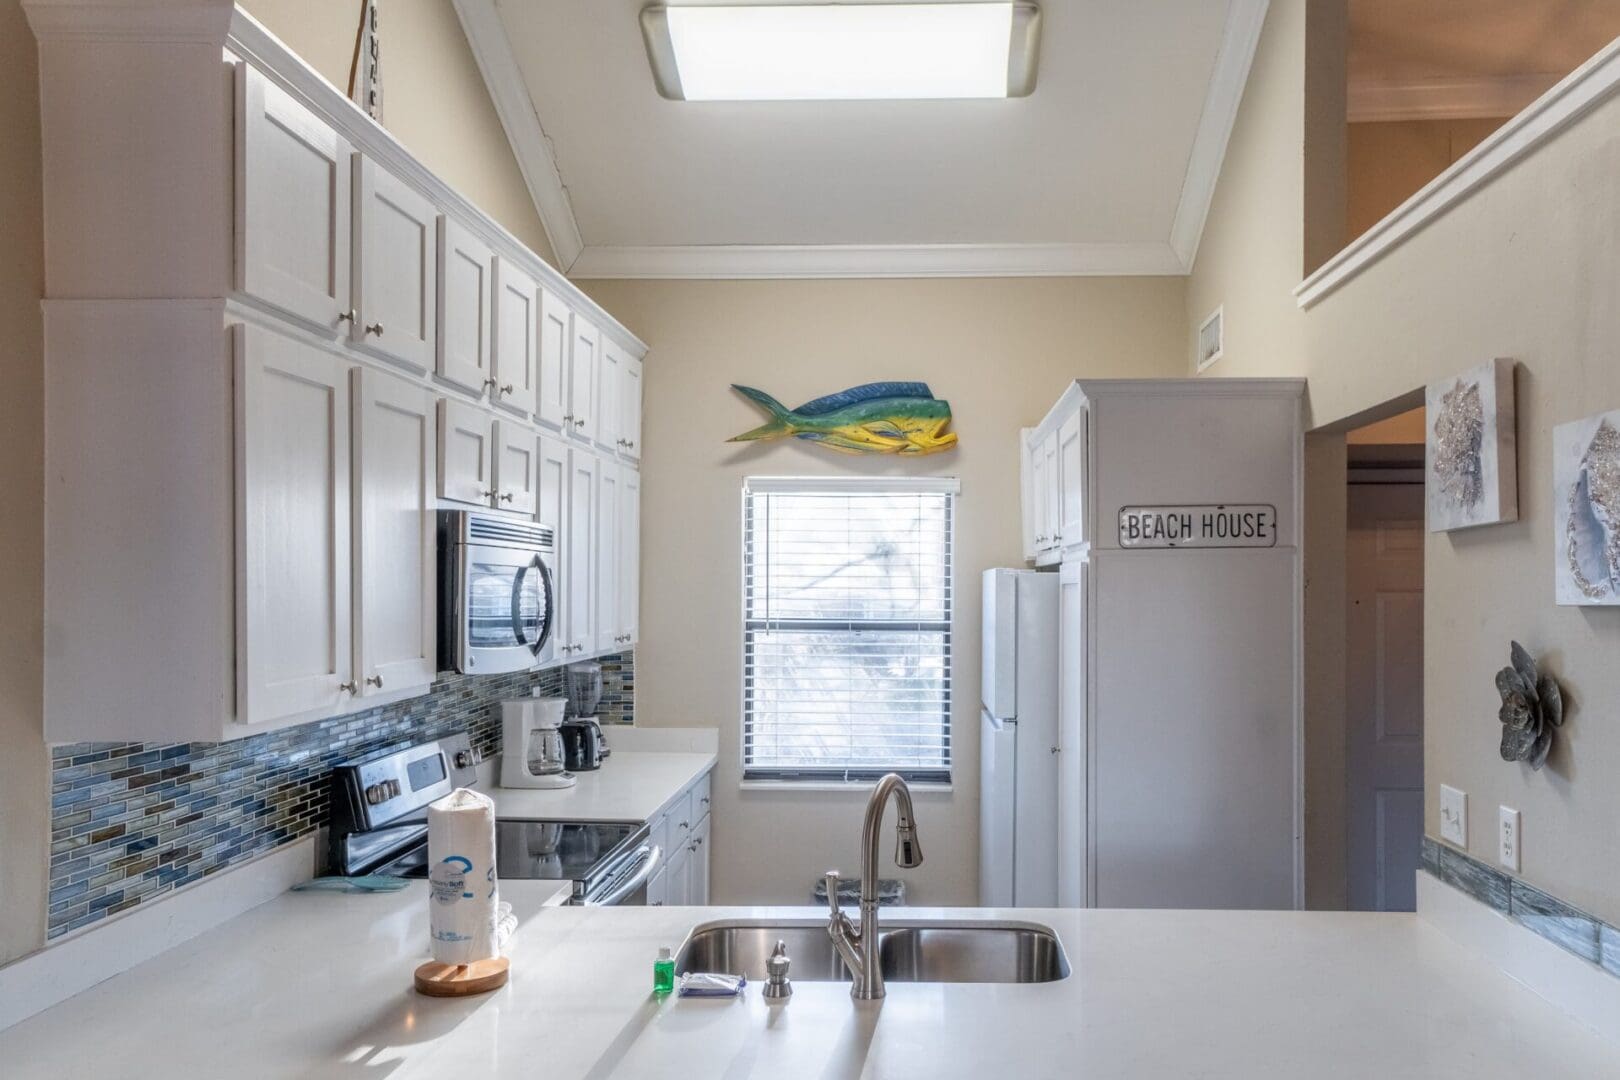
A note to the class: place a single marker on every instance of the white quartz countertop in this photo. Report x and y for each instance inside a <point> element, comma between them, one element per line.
<point>631,785</point>
<point>319,985</point>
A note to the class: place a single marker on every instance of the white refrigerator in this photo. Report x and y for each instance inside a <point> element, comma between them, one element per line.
<point>1018,762</point>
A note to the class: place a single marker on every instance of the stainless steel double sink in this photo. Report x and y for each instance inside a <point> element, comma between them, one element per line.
<point>908,951</point>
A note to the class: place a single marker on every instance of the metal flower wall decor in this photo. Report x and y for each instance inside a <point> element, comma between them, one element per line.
<point>1532,708</point>
<point>1473,476</point>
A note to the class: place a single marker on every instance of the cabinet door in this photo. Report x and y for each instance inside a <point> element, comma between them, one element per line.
<point>1073,831</point>
<point>396,241</point>
<point>516,470</point>
<point>697,884</point>
<point>294,652</point>
<point>517,339</point>
<point>609,635</point>
<point>658,888</point>
<point>1070,531</point>
<point>629,440</point>
<point>580,419</point>
<point>466,268</point>
<point>1051,482</point>
<point>1037,485</point>
<point>395,480</point>
<point>579,617</point>
<point>466,453</point>
<point>629,556</point>
<point>609,368</point>
<point>1027,488</point>
<point>678,885</point>
<point>556,336</point>
<point>292,204</point>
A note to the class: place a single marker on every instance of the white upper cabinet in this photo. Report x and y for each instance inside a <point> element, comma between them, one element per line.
<point>516,453</point>
<point>395,566</point>
<point>583,357</point>
<point>516,383</point>
<point>294,646</point>
<point>556,338</point>
<point>629,404</point>
<point>605,589</point>
<point>1051,512</point>
<point>396,240</point>
<point>292,205</point>
<point>579,558</point>
<point>1071,458</point>
<point>629,555</point>
<point>466,453</point>
<point>466,269</point>
<point>609,369</point>
<point>552,482</point>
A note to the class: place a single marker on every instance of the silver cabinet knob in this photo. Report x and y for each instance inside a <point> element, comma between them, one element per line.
<point>507,389</point>
<point>579,423</point>
<point>487,494</point>
<point>346,316</point>
<point>569,419</point>
<point>374,680</point>
<point>705,800</point>
<point>375,328</point>
<point>686,825</point>
<point>349,687</point>
<point>506,496</point>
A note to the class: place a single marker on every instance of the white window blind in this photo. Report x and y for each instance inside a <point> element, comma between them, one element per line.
<point>847,628</point>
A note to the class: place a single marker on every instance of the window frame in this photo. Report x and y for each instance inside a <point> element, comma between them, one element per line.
<point>845,776</point>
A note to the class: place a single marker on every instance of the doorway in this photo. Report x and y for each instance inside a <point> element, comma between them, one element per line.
<point>1384,662</point>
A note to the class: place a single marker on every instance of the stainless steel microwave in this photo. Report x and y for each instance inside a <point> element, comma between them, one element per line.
<point>497,592</point>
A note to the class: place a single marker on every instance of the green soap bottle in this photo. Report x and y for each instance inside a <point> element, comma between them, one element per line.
<point>663,972</point>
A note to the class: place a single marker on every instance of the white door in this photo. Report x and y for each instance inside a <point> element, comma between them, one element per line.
<point>517,339</point>
<point>629,555</point>
<point>580,419</point>
<point>556,337</point>
<point>294,655</point>
<point>395,478</point>
<point>630,408</point>
<point>580,555</point>
<point>697,883</point>
<point>1071,480</point>
<point>466,453</point>
<point>1073,831</point>
<point>292,204</point>
<point>396,239</point>
<point>465,272</point>
<point>1384,694</point>
<point>516,451</point>
<point>610,368</point>
<point>609,634</point>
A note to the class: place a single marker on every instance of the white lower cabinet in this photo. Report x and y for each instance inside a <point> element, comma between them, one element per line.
<point>682,831</point>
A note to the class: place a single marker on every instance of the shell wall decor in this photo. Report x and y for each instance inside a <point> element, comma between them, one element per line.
<point>1471,452</point>
<point>1586,504</point>
<point>877,418</point>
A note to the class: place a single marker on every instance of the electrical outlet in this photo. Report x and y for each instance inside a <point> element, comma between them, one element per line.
<point>1507,837</point>
<point>1454,816</point>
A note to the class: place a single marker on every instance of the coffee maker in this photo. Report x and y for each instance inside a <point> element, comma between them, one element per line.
<point>583,742</point>
<point>533,755</point>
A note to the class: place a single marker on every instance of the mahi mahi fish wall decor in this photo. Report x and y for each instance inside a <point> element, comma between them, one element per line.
<point>877,418</point>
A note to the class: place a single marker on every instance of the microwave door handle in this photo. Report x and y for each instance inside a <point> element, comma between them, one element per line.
<point>517,607</point>
<point>549,617</point>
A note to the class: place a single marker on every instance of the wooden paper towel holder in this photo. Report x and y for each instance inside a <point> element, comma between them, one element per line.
<point>462,980</point>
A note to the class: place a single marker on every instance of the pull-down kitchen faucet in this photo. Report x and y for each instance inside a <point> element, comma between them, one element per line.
<point>860,949</point>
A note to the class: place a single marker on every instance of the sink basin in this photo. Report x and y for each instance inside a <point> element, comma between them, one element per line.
<point>908,951</point>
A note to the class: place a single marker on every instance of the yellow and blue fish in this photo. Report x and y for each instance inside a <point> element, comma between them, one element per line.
<point>877,418</point>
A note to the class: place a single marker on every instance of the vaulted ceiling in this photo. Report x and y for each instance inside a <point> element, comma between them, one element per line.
<point>1108,167</point>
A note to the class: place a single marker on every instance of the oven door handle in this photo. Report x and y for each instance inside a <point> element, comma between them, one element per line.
<point>653,856</point>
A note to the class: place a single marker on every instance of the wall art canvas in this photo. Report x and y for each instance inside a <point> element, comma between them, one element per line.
<point>1586,494</point>
<point>877,418</point>
<point>1471,449</point>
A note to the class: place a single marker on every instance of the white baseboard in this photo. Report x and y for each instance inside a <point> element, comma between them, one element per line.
<point>79,961</point>
<point>1582,990</point>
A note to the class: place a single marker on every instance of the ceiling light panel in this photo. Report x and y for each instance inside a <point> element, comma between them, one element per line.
<point>822,52</point>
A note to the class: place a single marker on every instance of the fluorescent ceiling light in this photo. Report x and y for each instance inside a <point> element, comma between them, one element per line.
<point>797,52</point>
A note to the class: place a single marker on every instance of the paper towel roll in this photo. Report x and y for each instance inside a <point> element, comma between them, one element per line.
<point>462,900</point>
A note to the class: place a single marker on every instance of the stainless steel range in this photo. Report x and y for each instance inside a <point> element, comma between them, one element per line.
<point>379,826</point>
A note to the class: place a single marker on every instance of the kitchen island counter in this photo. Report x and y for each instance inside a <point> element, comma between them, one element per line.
<point>319,985</point>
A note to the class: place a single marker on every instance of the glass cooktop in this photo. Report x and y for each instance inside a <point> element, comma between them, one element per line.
<point>545,850</point>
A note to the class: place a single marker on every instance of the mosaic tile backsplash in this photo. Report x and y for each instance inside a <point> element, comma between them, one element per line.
<point>131,822</point>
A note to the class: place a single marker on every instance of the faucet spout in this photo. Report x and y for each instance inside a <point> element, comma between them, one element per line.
<point>859,949</point>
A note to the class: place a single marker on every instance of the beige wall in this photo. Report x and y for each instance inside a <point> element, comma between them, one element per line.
<point>24,772</point>
<point>999,350</point>
<point>1388,162</point>
<point>434,100</point>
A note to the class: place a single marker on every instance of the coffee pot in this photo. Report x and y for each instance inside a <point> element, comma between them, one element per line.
<point>533,755</point>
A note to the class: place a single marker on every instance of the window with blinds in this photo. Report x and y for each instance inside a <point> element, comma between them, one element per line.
<point>847,628</point>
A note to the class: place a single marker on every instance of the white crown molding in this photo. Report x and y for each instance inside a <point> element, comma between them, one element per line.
<point>1444,99</point>
<point>1240,38</point>
<point>510,94</point>
<point>201,22</point>
<point>1585,88</point>
<point>761,261</point>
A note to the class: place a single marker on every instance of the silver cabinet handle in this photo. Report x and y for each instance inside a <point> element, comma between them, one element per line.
<point>350,687</point>
<point>374,680</point>
<point>375,328</point>
<point>346,316</point>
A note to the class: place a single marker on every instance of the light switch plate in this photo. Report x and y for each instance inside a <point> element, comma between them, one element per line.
<point>1507,838</point>
<point>1454,816</point>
